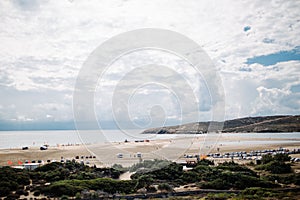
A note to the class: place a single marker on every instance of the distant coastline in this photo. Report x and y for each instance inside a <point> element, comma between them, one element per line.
<point>270,124</point>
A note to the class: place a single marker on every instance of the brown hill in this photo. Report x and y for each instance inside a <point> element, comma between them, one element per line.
<point>284,123</point>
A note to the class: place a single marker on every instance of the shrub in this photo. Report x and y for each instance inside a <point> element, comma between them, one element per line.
<point>144,181</point>
<point>150,165</point>
<point>78,195</point>
<point>282,157</point>
<point>64,197</point>
<point>20,191</point>
<point>228,180</point>
<point>266,158</point>
<point>170,172</point>
<point>36,193</point>
<point>49,167</point>
<point>151,189</point>
<point>119,168</point>
<point>276,167</point>
<point>190,177</point>
<point>205,162</point>
<point>26,193</point>
<point>262,192</point>
<point>61,188</point>
<point>13,196</point>
<point>4,191</point>
<point>165,187</point>
<point>219,196</point>
<point>218,184</point>
<point>11,179</point>
<point>71,187</point>
<point>234,167</point>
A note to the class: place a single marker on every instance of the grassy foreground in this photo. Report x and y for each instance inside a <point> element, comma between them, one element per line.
<point>272,179</point>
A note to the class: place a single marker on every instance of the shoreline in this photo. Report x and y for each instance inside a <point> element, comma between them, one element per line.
<point>128,153</point>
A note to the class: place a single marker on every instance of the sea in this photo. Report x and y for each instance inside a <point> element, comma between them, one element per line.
<point>18,139</point>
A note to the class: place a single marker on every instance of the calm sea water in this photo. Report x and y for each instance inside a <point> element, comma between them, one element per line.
<point>17,139</point>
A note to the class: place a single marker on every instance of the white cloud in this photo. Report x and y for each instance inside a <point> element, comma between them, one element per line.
<point>44,44</point>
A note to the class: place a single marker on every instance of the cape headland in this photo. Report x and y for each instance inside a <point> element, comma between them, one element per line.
<point>270,124</point>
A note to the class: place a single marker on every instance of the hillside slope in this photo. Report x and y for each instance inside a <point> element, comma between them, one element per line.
<point>249,124</point>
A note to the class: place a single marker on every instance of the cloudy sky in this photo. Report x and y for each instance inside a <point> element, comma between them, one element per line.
<point>254,45</point>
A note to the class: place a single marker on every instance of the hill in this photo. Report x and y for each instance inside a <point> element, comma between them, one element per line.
<point>283,123</point>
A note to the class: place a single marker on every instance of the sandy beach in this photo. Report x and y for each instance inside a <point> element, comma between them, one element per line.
<point>128,153</point>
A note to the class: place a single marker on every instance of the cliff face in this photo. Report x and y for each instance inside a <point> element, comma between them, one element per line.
<point>242,125</point>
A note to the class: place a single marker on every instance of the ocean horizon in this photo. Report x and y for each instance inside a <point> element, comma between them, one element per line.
<point>18,139</point>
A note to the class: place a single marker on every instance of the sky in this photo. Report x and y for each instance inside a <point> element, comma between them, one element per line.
<point>254,45</point>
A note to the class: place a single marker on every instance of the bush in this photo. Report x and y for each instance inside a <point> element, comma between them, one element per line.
<point>36,193</point>
<point>234,167</point>
<point>219,196</point>
<point>262,192</point>
<point>26,193</point>
<point>218,184</point>
<point>11,179</point>
<point>60,188</point>
<point>150,165</point>
<point>119,168</point>
<point>207,173</point>
<point>170,172</point>
<point>64,197</point>
<point>190,177</point>
<point>144,181</point>
<point>4,191</point>
<point>266,158</point>
<point>78,195</point>
<point>282,157</point>
<point>230,180</point>
<point>49,167</point>
<point>276,167</point>
<point>20,191</point>
<point>202,169</point>
<point>205,162</point>
<point>151,189</point>
<point>13,196</point>
<point>71,187</point>
<point>165,187</point>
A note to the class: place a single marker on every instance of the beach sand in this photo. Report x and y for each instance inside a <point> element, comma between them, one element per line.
<point>171,149</point>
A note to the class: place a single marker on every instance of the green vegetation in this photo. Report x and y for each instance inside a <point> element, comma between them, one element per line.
<point>275,164</point>
<point>72,187</point>
<point>12,179</point>
<point>165,187</point>
<point>227,175</point>
<point>285,179</point>
<point>62,178</point>
<point>219,196</point>
<point>75,180</point>
<point>149,165</point>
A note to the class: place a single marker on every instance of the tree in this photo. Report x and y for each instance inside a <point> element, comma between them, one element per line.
<point>165,187</point>
<point>276,167</point>
<point>266,158</point>
<point>281,157</point>
<point>144,181</point>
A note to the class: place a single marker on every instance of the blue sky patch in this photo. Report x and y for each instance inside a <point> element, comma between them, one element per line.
<point>247,28</point>
<point>295,88</point>
<point>272,59</point>
<point>268,40</point>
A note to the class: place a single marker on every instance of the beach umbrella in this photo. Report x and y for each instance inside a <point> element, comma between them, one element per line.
<point>9,162</point>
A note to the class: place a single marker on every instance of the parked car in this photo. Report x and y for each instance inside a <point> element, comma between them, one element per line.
<point>43,148</point>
